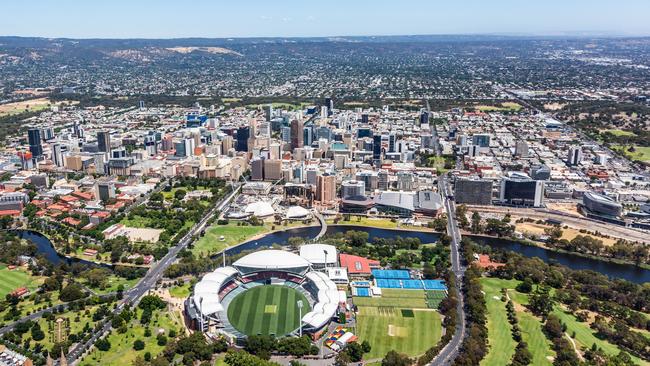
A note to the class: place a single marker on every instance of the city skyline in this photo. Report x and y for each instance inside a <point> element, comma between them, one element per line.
<point>166,19</point>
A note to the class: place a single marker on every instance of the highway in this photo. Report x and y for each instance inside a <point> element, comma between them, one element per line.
<point>133,295</point>
<point>450,351</point>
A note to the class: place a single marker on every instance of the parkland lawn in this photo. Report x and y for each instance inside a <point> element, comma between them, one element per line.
<point>531,328</point>
<point>211,243</point>
<point>122,353</point>
<point>16,278</point>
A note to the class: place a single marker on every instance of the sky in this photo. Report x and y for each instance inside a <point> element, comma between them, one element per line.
<point>308,18</point>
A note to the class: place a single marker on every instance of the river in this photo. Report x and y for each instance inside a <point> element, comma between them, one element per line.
<point>615,270</point>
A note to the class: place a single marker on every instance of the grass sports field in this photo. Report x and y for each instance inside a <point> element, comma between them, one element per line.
<point>269,309</point>
<point>409,331</point>
<point>13,279</point>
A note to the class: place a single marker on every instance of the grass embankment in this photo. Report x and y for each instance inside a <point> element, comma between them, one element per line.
<point>399,320</point>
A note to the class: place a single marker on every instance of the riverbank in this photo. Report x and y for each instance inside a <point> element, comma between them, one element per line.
<point>541,245</point>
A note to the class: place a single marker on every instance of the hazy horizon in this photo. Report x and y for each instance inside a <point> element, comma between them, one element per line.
<point>165,19</point>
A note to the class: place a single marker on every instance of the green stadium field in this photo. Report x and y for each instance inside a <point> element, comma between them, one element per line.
<point>269,309</point>
<point>13,279</point>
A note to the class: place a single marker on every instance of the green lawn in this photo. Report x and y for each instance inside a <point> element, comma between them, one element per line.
<point>405,330</point>
<point>641,153</point>
<point>180,291</point>
<point>267,310</point>
<point>411,299</point>
<point>585,336</point>
<point>233,234</point>
<point>122,352</point>
<point>16,278</point>
<point>502,346</point>
<point>619,133</point>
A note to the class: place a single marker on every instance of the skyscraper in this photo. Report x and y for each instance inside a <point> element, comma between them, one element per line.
<point>103,141</point>
<point>34,138</point>
<point>376,147</point>
<point>243,134</point>
<point>575,156</point>
<point>296,134</point>
<point>326,188</point>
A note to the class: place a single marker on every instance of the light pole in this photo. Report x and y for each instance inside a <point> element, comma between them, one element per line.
<point>201,312</point>
<point>299,303</point>
<point>325,252</point>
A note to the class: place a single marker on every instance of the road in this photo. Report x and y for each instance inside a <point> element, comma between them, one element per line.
<point>323,224</point>
<point>133,295</point>
<point>450,351</point>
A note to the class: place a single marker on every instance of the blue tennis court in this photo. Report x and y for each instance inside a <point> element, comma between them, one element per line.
<point>398,274</point>
<point>363,291</point>
<point>412,284</point>
<point>388,283</point>
<point>434,285</point>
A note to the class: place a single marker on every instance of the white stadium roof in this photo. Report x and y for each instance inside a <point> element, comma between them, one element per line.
<point>295,212</point>
<point>315,253</point>
<point>260,209</point>
<point>208,290</point>
<point>272,259</point>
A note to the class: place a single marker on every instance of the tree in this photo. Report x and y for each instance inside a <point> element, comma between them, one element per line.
<point>541,302</point>
<point>240,358</point>
<point>261,345</point>
<point>138,345</point>
<point>526,286</point>
<point>393,358</point>
<point>180,194</point>
<point>103,344</point>
<point>476,223</point>
<point>71,292</point>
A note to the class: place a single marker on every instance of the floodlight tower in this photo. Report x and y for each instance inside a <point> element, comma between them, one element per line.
<point>299,303</point>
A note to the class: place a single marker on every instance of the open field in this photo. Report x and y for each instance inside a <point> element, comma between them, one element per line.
<point>24,106</point>
<point>504,107</point>
<point>410,331</point>
<point>267,310</point>
<point>641,153</point>
<point>619,133</point>
<point>233,234</point>
<point>568,234</point>
<point>122,352</point>
<point>16,278</point>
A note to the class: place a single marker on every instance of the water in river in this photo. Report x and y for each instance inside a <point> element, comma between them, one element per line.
<point>628,272</point>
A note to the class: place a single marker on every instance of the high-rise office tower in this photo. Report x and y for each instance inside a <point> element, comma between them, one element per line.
<point>575,156</point>
<point>243,134</point>
<point>34,138</point>
<point>296,134</point>
<point>103,141</point>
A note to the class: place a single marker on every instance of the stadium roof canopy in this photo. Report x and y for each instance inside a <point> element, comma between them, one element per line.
<point>315,253</point>
<point>272,259</point>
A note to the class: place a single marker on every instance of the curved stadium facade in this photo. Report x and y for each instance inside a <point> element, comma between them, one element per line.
<point>288,277</point>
